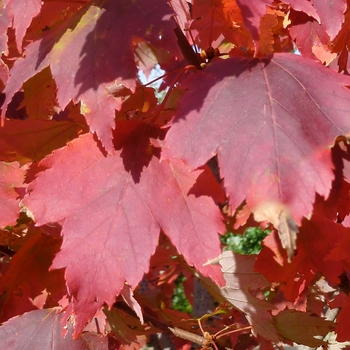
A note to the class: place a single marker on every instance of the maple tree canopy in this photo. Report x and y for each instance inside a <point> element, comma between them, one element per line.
<point>134,134</point>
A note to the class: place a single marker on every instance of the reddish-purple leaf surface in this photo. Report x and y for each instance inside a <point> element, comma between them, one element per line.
<point>307,35</point>
<point>11,176</point>
<point>114,208</point>
<point>42,330</point>
<point>304,6</point>
<point>285,156</point>
<point>331,15</point>
<point>91,57</point>
<point>240,277</point>
<point>5,22</point>
<point>15,9</point>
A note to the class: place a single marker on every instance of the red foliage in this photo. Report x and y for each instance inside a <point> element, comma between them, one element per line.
<point>110,188</point>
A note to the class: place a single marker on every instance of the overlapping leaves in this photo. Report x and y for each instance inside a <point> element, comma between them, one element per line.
<point>113,209</point>
<point>270,124</point>
<point>270,120</point>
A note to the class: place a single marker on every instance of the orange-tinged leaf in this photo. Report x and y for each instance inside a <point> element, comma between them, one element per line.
<point>28,278</point>
<point>11,176</point>
<point>31,140</point>
<point>286,156</point>
<point>266,34</point>
<point>127,199</point>
<point>252,12</point>
<point>40,96</point>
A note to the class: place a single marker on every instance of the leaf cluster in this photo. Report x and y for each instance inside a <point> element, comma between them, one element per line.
<point>112,190</point>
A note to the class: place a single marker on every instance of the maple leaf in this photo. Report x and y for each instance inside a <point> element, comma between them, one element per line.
<point>240,277</point>
<point>302,327</point>
<point>114,208</point>
<point>5,22</point>
<point>11,176</point>
<point>15,9</point>
<point>84,63</point>
<point>28,284</point>
<point>285,157</point>
<point>41,329</point>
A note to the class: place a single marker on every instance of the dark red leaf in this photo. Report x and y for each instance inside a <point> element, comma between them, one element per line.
<point>28,284</point>
<point>286,156</point>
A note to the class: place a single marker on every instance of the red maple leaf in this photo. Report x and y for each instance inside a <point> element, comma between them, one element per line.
<point>15,9</point>
<point>41,329</point>
<point>285,157</point>
<point>91,57</point>
<point>113,209</point>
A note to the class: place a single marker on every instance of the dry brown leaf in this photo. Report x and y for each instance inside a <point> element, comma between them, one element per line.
<point>280,217</point>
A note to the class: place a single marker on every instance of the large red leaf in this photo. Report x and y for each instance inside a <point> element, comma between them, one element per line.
<point>11,176</point>
<point>42,330</point>
<point>271,125</point>
<point>91,57</point>
<point>114,208</point>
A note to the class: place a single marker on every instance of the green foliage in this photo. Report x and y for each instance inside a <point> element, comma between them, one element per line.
<point>180,302</point>
<point>249,243</point>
